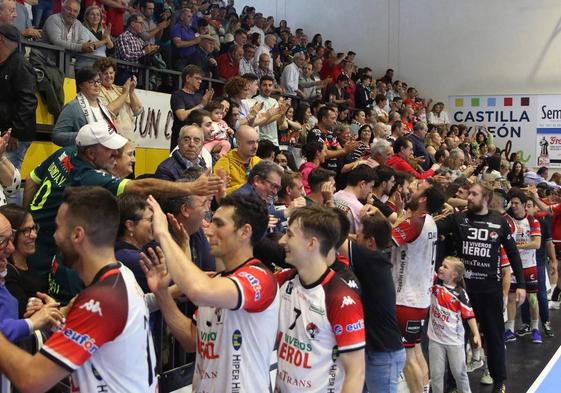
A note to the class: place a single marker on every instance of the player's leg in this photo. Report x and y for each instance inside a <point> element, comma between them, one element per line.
<point>511,317</point>
<point>412,372</point>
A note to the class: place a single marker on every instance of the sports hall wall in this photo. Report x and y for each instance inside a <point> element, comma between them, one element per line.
<point>443,47</point>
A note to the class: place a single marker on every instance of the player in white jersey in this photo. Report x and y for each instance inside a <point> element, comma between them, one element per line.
<point>105,344</point>
<point>321,335</point>
<point>526,231</point>
<point>413,259</point>
<point>234,327</point>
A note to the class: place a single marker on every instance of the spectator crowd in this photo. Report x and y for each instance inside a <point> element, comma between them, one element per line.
<point>307,205</point>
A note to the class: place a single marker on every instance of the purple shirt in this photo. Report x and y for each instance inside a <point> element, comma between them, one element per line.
<point>13,328</point>
<point>185,33</point>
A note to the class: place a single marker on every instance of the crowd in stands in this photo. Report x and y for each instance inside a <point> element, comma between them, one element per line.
<point>307,204</point>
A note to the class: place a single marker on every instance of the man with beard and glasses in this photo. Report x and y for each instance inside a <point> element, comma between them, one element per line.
<point>86,164</point>
<point>105,344</point>
<point>478,234</point>
<point>413,259</point>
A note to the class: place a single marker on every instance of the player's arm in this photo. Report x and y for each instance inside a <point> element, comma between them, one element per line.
<point>29,373</point>
<point>505,279</point>
<point>181,327</point>
<point>353,364</point>
<point>533,244</point>
<point>515,262</point>
<point>193,282</point>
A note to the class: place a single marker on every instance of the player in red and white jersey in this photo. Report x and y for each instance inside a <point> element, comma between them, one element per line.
<point>105,343</point>
<point>413,260</point>
<point>321,335</point>
<point>527,235</point>
<point>234,327</point>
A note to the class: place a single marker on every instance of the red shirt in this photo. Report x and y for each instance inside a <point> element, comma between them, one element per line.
<point>226,68</point>
<point>399,164</point>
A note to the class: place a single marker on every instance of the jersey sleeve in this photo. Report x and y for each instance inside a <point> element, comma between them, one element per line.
<point>503,258</point>
<point>345,313</point>
<point>257,288</point>
<point>284,275</point>
<point>535,227</point>
<point>94,319</point>
<point>555,209</point>
<point>94,177</point>
<point>408,231</point>
<point>465,306</point>
<point>38,174</point>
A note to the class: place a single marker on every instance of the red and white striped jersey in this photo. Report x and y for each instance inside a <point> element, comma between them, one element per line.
<point>413,259</point>
<point>234,347</point>
<point>522,231</point>
<point>448,307</point>
<point>316,323</point>
<point>106,341</point>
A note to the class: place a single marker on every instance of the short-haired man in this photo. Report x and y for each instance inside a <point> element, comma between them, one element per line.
<point>183,38</point>
<point>232,330</point>
<point>380,151</point>
<point>187,99</point>
<point>265,48</point>
<point>322,187</point>
<point>8,12</point>
<point>271,112</point>
<point>246,62</point>
<point>188,154</point>
<point>105,344</point>
<point>203,58</point>
<point>359,185</point>
<point>238,162</point>
<point>321,321</point>
<point>291,74</point>
<point>292,187</point>
<point>152,30</point>
<point>381,189</point>
<point>229,63</point>
<point>478,234</point>
<point>417,137</point>
<point>403,151</point>
<point>413,259</point>
<point>86,164</point>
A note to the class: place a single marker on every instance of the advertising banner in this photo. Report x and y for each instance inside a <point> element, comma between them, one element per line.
<point>153,125</point>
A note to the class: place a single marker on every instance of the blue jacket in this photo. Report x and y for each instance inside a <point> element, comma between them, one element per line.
<point>13,328</point>
<point>172,168</point>
<point>248,190</point>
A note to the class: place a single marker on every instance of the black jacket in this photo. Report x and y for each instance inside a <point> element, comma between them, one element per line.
<point>17,97</point>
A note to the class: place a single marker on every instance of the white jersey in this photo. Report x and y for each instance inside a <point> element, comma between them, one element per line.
<point>106,341</point>
<point>522,231</point>
<point>316,323</point>
<point>234,346</point>
<point>413,259</point>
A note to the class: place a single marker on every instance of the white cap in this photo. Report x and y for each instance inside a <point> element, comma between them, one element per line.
<point>100,133</point>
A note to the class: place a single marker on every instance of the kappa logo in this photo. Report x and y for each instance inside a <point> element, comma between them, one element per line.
<point>352,284</point>
<point>347,301</point>
<point>92,306</point>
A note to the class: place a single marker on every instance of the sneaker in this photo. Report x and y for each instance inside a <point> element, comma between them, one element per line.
<point>486,378</point>
<point>474,365</point>
<point>536,336</point>
<point>547,329</point>
<point>524,330</point>
<point>509,336</point>
<point>553,305</point>
<point>499,389</point>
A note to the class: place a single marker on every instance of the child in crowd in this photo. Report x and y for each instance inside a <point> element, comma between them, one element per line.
<point>449,306</point>
<point>217,141</point>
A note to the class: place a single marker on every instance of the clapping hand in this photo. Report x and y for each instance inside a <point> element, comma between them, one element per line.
<point>156,271</point>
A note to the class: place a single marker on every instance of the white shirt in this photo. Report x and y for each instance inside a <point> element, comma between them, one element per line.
<point>289,78</point>
<point>441,118</point>
<point>263,49</point>
<point>246,67</point>
<point>268,131</point>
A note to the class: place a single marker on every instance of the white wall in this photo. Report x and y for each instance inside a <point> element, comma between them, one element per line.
<point>443,47</point>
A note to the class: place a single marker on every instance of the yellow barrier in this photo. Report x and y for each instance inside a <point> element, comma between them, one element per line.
<point>147,160</point>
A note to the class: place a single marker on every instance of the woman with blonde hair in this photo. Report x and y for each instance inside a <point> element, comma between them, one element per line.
<point>433,142</point>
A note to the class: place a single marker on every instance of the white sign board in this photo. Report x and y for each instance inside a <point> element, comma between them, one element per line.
<point>153,125</point>
<point>519,123</point>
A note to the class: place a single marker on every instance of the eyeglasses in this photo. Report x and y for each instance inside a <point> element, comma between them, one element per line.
<point>27,230</point>
<point>276,187</point>
<point>5,241</point>
<point>94,82</point>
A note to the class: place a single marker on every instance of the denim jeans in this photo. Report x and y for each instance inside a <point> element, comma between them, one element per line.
<point>382,371</point>
<point>41,12</point>
<point>16,158</point>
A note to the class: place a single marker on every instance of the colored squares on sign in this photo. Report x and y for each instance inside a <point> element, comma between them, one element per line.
<point>491,101</point>
<point>459,102</point>
<point>508,101</point>
<point>525,101</point>
<point>475,101</point>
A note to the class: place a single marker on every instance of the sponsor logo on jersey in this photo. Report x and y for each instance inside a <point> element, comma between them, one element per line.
<point>289,287</point>
<point>347,301</point>
<point>317,310</point>
<point>237,339</point>
<point>205,345</point>
<point>295,351</point>
<point>56,175</point>
<point>92,306</point>
<point>494,235</point>
<point>337,329</point>
<point>355,327</point>
<point>255,284</point>
<point>83,340</point>
<point>312,330</point>
<point>491,225</point>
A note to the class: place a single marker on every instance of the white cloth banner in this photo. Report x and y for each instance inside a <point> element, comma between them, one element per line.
<point>529,124</point>
<point>153,126</point>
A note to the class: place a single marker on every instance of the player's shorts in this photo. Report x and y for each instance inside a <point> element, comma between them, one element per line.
<point>410,321</point>
<point>531,278</point>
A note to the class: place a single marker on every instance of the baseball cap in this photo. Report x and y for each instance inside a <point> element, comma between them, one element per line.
<point>10,32</point>
<point>100,133</point>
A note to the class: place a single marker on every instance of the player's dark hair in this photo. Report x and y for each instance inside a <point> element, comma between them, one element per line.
<point>320,222</point>
<point>516,192</point>
<point>383,174</point>
<point>251,211</point>
<point>435,198</point>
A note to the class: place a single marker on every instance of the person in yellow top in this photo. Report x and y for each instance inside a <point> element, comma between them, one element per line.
<point>238,162</point>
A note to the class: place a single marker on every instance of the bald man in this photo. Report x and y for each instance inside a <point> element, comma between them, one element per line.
<point>237,163</point>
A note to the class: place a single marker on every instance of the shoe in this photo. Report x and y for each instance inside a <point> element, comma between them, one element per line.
<point>553,305</point>
<point>509,336</point>
<point>474,365</point>
<point>524,330</point>
<point>536,336</point>
<point>486,378</point>
<point>547,329</point>
<point>499,389</point>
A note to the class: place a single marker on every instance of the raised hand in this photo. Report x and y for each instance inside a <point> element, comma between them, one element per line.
<point>155,269</point>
